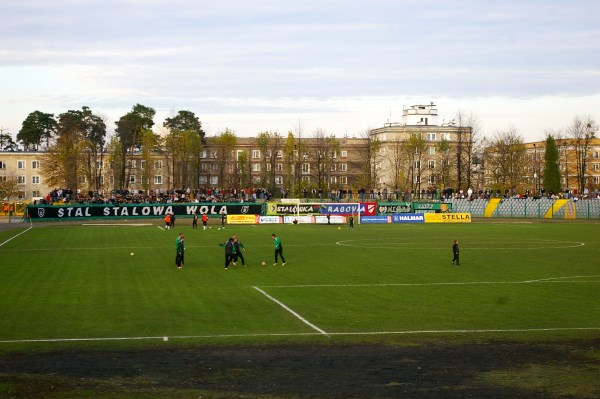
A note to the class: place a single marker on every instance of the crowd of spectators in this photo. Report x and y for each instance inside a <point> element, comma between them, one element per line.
<point>115,197</point>
<point>214,195</point>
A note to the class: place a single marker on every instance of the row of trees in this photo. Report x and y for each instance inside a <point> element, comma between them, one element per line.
<point>77,147</point>
<point>511,165</point>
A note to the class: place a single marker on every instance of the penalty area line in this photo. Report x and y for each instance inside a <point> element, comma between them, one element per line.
<point>302,319</point>
<point>13,237</point>
<point>298,334</point>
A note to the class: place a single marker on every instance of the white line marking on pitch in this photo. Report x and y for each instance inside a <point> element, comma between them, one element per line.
<point>116,224</point>
<point>545,280</point>
<point>302,319</point>
<point>12,238</point>
<point>407,332</point>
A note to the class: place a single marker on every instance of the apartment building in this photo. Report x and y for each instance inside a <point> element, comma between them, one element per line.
<point>420,153</point>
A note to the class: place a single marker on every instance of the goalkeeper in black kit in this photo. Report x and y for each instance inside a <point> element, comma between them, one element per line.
<point>456,252</point>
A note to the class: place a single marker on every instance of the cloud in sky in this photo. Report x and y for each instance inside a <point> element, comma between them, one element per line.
<point>343,66</point>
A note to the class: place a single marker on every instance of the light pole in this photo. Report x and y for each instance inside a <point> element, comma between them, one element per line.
<point>535,174</point>
<point>566,167</point>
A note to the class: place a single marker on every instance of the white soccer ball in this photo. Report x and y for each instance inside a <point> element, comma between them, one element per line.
<point>263,263</point>
<point>132,254</point>
<point>219,228</point>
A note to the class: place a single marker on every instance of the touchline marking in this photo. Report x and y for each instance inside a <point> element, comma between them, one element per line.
<point>12,238</point>
<point>117,224</point>
<point>546,280</point>
<point>302,319</point>
<point>553,279</point>
<point>216,336</point>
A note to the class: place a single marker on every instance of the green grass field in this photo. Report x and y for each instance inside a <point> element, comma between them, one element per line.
<point>371,283</point>
<point>66,286</point>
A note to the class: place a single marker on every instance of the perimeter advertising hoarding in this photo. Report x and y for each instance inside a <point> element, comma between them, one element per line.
<point>242,219</point>
<point>394,207</point>
<point>447,218</point>
<point>374,219</point>
<point>141,210</point>
<point>278,208</point>
<point>431,207</point>
<point>269,219</point>
<point>408,218</point>
<point>349,208</point>
<point>334,219</point>
<point>299,219</point>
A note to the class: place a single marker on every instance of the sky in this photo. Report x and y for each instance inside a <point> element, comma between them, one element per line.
<point>339,66</point>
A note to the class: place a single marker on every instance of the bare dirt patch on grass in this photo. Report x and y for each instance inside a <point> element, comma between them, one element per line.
<point>493,370</point>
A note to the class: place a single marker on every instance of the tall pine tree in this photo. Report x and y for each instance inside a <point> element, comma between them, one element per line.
<point>551,168</point>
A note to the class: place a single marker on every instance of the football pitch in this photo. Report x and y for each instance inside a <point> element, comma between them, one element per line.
<point>78,285</point>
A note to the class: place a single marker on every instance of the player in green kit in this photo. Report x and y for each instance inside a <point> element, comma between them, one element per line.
<point>278,249</point>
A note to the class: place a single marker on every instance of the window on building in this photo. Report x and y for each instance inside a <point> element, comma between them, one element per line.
<point>268,167</point>
<point>255,154</point>
<point>256,167</point>
<point>132,179</point>
<point>417,165</point>
<point>306,179</point>
<point>268,154</point>
<point>597,167</point>
<point>36,193</point>
<point>20,164</point>
<point>443,136</point>
<point>417,179</point>
<point>214,166</point>
<point>333,167</point>
<point>21,195</point>
<point>202,179</point>
<point>431,150</point>
<point>431,164</point>
<point>596,179</point>
<point>2,165</point>
<point>278,180</point>
<point>431,179</point>
<point>596,154</point>
<point>35,180</point>
<point>344,154</point>
<point>343,167</point>
<point>214,180</point>
<point>21,179</point>
<point>343,180</point>
<point>256,179</point>
<point>158,164</point>
<point>279,154</point>
<point>133,164</point>
<point>82,179</point>
<point>305,168</point>
<point>431,136</point>
<point>279,167</point>
<point>203,154</point>
<point>333,179</point>
<point>203,167</point>
<point>158,179</point>
<point>35,164</point>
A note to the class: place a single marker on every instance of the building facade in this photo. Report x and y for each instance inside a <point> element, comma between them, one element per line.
<point>579,166</point>
<point>421,154</point>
